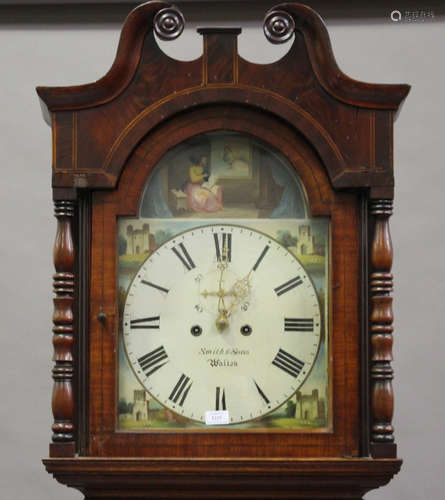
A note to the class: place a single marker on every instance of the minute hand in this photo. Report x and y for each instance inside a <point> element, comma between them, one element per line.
<point>222,321</point>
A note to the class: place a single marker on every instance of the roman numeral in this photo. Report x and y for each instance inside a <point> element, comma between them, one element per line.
<point>261,393</point>
<point>261,257</point>
<point>153,285</point>
<point>298,324</point>
<point>146,323</point>
<point>220,399</point>
<point>285,287</point>
<point>181,390</point>
<point>184,256</point>
<point>152,361</point>
<point>288,363</point>
<point>223,251</point>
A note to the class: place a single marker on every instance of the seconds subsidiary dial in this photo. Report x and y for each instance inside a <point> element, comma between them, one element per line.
<point>221,317</point>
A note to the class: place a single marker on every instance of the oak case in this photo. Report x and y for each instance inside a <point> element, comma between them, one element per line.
<point>107,137</point>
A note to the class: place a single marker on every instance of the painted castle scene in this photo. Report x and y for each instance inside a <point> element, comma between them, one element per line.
<point>229,176</point>
<point>301,411</point>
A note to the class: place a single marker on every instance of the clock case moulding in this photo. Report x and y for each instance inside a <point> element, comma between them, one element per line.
<point>342,125</point>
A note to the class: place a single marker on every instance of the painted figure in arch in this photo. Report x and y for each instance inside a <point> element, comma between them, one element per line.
<point>237,165</point>
<point>201,196</point>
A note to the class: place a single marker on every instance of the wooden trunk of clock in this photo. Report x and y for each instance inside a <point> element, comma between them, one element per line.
<point>109,138</point>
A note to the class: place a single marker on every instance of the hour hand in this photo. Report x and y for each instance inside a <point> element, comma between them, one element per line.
<point>240,290</point>
<point>218,293</point>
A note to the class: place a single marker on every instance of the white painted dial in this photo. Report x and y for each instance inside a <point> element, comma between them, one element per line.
<point>221,317</point>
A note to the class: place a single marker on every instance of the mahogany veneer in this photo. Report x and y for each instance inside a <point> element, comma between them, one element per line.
<point>107,136</point>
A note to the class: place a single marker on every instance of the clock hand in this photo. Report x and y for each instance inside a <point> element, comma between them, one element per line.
<point>240,290</point>
<point>223,293</point>
<point>222,321</point>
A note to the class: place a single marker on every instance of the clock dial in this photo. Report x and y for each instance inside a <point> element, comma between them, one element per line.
<point>221,317</point>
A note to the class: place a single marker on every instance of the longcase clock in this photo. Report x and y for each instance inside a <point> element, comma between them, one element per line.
<point>222,310</point>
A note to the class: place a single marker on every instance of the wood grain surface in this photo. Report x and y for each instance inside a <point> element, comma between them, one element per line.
<point>337,133</point>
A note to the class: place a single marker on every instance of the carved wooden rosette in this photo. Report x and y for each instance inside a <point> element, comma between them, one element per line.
<point>63,319</point>
<point>381,285</point>
<point>169,23</point>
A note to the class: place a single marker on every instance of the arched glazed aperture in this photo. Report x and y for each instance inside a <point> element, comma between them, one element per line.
<point>224,190</point>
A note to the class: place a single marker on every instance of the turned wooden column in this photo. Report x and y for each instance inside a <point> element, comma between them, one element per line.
<point>63,333</point>
<point>381,331</point>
